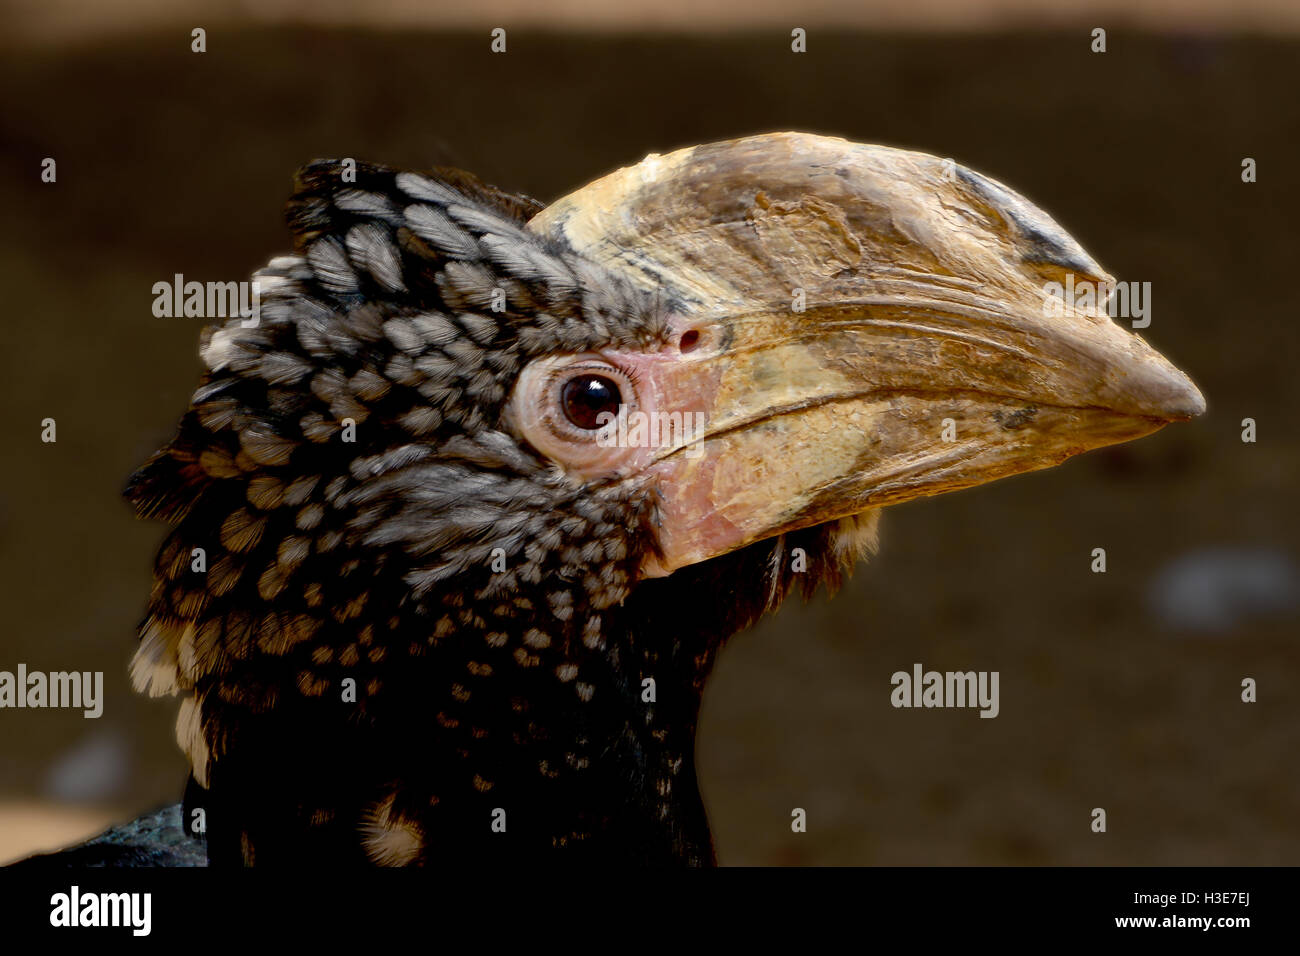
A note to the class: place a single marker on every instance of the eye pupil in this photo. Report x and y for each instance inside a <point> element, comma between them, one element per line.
<point>586,396</point>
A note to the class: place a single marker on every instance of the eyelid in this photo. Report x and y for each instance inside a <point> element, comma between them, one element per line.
<point>596,365</point>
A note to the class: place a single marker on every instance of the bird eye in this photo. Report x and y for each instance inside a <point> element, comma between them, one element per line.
<point>585,397</point>
<point>559,405</point>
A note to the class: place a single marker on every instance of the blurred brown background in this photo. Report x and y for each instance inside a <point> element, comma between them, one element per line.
<point>1118,690</point>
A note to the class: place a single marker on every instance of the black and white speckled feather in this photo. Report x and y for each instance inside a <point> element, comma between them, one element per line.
<point>372,559</point>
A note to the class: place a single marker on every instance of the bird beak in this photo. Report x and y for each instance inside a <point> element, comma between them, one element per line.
<point>855,326</point>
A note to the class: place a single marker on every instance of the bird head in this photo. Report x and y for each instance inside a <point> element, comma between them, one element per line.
<point>501,465</point>
<point>831,308</point>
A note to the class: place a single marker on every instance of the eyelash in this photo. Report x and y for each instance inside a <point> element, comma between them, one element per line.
<point>633,375</point>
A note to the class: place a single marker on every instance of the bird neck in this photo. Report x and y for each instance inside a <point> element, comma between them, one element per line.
<point>620,781</point>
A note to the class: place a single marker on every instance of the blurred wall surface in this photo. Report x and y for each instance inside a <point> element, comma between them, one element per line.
<point>60,20</point>
<point>1120,690</point>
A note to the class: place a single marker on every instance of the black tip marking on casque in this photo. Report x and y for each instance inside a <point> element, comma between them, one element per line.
<point>1044,240</point>
<point>1010,421</point>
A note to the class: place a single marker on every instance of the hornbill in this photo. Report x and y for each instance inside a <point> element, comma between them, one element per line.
<point>428,599</point>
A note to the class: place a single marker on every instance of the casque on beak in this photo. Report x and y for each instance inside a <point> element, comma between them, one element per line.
<point>859,326</point>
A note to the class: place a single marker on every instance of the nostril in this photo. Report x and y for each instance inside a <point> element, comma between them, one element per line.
<point>690,339</point>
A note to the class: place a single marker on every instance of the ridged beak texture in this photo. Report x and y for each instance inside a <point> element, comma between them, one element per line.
<point>867,325</point>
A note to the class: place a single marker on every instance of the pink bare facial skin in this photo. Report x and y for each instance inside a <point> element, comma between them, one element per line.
<point>681,380</point>
<point>675,379</point>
